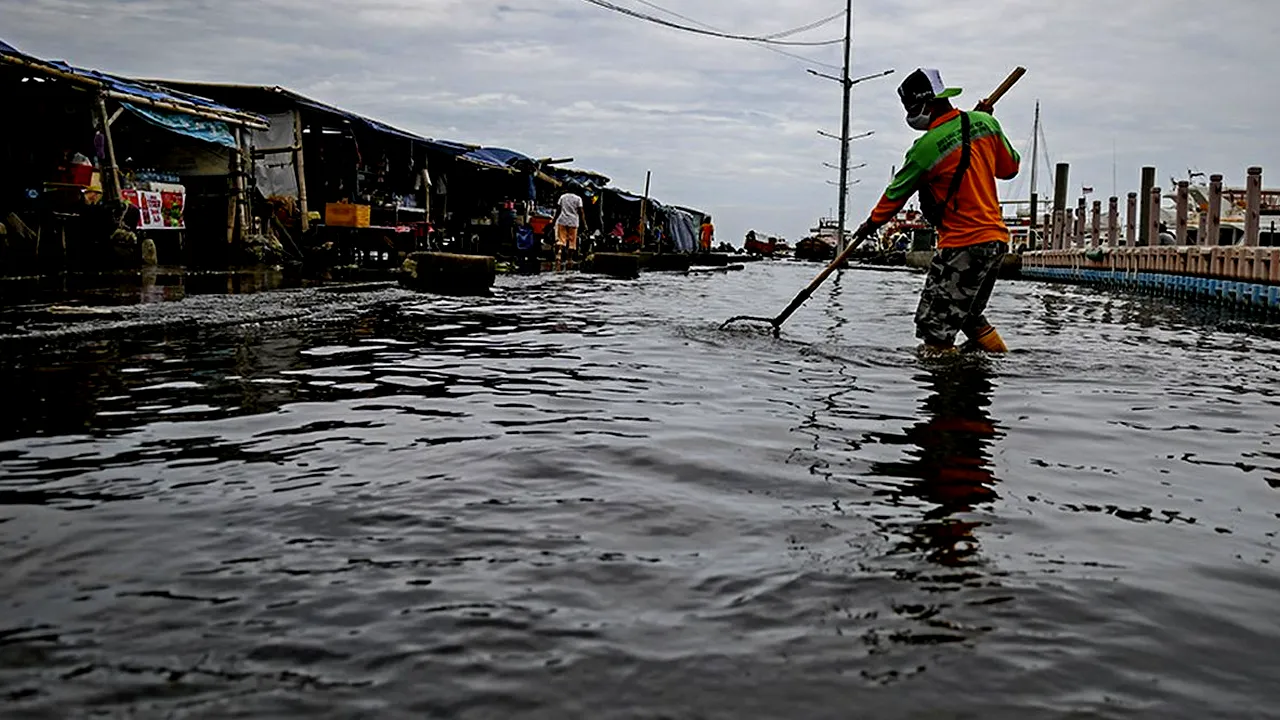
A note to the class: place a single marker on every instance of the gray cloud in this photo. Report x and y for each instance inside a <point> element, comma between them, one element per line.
<point>725,126</point>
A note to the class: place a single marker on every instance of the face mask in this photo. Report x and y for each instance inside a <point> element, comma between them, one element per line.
<point>920,119</point>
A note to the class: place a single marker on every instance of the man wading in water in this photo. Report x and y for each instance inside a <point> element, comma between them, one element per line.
<point>954,167</point>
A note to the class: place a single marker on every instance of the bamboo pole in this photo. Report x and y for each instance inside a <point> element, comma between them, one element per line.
<point>228,115</point>
<point>242,189</point>
<point>644,208</point>
<point>300,171</point>
<point>111,178</point>
<point>233,197</point>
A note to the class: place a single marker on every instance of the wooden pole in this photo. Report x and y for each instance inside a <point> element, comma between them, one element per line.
<point>1253,207</point>
<point>1144,226</point>
<point>644,208</point>
<point>1182,194</point>
<point>1082,218</point>
<point>1046,231</point>
<point>300,172</point>
<point>1096,240</point>
<point>245,217</point>
<point>1061,176</point>
<point>1131,221</point>
<point>1213,216</point>
<point>1113,221</point>
<point>233,197</point>
<point>111,176</point>
<point>228,115</point>
<point>1153,217</point>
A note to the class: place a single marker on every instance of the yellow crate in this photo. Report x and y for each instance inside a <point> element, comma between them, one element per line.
<point>346,215</point>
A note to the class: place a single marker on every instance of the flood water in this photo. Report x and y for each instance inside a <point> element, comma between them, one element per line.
<point>580,499</point>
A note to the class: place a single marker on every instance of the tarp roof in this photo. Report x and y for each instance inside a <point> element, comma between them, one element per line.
<point>290,97</point>
<point>132,91</point>
<point>499,156</point>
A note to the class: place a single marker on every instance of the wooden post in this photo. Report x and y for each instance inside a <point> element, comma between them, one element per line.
<point>111,176</point>
<point>236,190</point>
<point>1213,216</point>
<point>1182,194</point>
<point>1032,217</point>
<point>1096,240</point>
<point>644,209</point>
<point>1153,217</point>
<point>1131,221</point>
<point>1046,232</point>
<point>1253,207</point>
<point>243,216</point>
<point>1061,233</point>
<point>1144,222</point>
<point>299,171</point>
<point>1082,217</point>
<point>1113,221</point>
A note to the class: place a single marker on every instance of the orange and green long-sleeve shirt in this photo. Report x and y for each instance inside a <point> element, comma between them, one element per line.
<point>932,161</point>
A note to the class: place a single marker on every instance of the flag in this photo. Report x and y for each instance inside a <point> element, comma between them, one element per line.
<point>1087,190</point>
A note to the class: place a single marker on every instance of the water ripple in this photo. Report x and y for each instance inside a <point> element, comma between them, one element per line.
<point>579,498</point>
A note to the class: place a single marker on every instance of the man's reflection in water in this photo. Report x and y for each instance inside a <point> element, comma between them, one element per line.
<point>951,463</point>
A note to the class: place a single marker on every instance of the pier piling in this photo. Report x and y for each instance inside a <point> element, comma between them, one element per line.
<point>1183,193</point>
<point>1131,222</point>
<point>1153,217</point>
<point>1253,207</point>
<point>1215,265</point>
<point>1213,217</point>
<point>1144,221</point>
<point>1082,217</point>
<point>1096,240</point>
<point>1113,221</point>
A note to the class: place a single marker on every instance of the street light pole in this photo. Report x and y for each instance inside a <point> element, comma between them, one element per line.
<point>844,123</point>
<point>844,138</point>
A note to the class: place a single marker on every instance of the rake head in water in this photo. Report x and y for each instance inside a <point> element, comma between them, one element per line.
<point>771,322</point>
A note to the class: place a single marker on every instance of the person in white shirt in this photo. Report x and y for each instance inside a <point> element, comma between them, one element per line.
<point>568,220</point>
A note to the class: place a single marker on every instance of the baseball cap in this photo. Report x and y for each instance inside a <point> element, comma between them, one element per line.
<point>924,85</point>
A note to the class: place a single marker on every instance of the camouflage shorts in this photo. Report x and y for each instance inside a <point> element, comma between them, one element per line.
<point>957,290</point>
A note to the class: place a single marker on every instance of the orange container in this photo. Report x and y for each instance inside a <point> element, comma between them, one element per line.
<point>346,215</point>
<point>539,223</point>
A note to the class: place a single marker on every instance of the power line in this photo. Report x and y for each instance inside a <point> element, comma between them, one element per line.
<point>762,39</point>
<point>763,46</point>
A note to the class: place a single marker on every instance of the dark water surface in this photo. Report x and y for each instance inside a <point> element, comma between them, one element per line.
<point>579,499</point>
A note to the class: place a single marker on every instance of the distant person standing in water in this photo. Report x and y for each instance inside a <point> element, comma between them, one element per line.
<point>954,167</point>
<point>570,218</point>
<point>706,234</point>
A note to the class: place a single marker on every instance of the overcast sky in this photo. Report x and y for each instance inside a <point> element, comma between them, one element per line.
<point>726,126</point>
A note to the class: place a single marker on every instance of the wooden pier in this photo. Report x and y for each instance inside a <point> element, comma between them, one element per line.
<point>1199,256</point>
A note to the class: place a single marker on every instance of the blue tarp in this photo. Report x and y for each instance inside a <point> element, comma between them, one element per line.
<point>210,131</point>
<point>444,147</point>
<point>496,157</point>
<point>122,86</point>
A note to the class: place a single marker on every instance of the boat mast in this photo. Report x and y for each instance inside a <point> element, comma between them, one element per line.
<point>1035,160</point>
